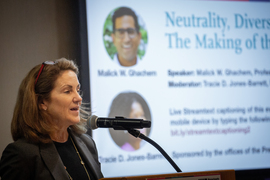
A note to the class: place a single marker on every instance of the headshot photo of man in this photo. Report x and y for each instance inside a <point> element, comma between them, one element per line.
<point>126,36</point>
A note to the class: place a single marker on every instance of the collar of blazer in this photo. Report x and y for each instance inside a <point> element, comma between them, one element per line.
<point>87,151</point>
<point>54,163</point>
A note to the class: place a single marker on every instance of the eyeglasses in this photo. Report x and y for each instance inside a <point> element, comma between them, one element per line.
<point>41,68</point>
<point>120,33</point>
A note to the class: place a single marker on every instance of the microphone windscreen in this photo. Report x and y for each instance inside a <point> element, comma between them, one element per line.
<point>92,122</point>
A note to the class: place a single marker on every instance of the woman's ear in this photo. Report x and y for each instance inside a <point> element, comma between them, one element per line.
<point>43,106</point>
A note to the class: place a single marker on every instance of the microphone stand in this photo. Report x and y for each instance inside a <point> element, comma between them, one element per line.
<point>137,133</point>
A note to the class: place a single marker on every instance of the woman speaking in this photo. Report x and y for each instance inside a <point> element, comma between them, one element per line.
<point>48,128</point>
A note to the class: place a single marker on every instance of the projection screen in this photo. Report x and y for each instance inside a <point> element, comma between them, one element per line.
<point>198,70</point>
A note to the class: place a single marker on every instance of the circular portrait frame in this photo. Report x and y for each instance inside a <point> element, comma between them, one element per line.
<point>108,30</point>
<point>129,105</point>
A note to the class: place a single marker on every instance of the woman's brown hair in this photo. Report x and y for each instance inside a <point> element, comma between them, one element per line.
<point>29,121</point>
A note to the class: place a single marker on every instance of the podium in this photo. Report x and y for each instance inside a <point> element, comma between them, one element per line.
<point>205,175</point>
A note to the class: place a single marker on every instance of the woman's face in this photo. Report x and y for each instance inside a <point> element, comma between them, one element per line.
<point>65,100</point>
<point>137,112</point>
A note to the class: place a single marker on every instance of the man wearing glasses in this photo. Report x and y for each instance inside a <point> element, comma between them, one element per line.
<point>126,36</point>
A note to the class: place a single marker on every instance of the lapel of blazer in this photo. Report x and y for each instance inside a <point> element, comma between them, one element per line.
<point>53,161</point>
<point>85,153</point>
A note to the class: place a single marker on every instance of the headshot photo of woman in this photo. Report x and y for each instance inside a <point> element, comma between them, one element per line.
<point>49,128</point>
<point>129,105</point>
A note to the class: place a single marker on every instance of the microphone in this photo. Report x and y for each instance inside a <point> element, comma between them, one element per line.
<point>117,123</point>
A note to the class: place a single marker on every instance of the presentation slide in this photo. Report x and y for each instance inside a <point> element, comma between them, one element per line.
<point>198,70</point>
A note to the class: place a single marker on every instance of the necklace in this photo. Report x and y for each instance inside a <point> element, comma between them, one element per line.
<point>68,173</point>
<point>80,160</point>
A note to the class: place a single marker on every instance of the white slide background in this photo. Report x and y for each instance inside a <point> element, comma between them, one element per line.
<point>218,116</point>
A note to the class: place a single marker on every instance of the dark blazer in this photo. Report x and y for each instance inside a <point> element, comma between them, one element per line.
<point>23,160</point>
